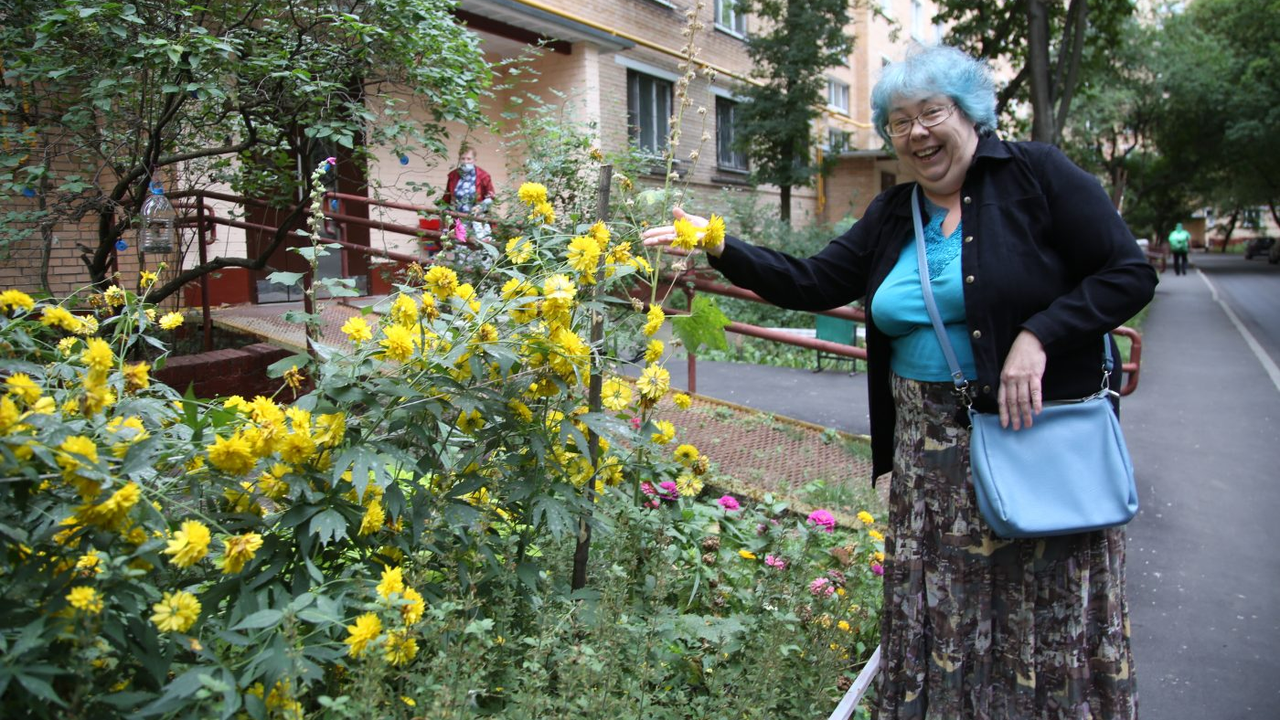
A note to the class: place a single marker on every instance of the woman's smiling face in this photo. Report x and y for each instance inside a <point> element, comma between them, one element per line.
<point>938,156</point>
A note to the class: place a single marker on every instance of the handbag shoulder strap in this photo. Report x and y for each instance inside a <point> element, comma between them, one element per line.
<point>957,375</point>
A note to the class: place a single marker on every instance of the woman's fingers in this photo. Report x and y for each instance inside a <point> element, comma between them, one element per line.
<point>1020,396</point>
<point>665,234</point>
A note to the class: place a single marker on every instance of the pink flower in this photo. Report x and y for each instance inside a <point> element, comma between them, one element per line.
<point>653,504</point>
<point>647,488</point>
<point>877,568</point>
<point>635,423</point>
<point>669,490</point>
<point>822,519</point>
<point>822,587</point>
<point>331,161</point>
<point>775,562</point>
<point>729,503</point>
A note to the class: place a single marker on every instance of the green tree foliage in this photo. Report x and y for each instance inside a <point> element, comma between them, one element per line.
<point>99,97</point>
<point>1221,75</point>
<point>1050,44</point>
<point>800,41</point>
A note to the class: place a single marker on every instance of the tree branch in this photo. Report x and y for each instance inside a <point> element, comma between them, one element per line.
<point>1077,18</point>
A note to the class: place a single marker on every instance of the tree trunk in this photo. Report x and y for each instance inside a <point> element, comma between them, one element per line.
<point>1069,63</point>
<point>784,210</point>
<point>1231,227</point>
<point>1042,122</point>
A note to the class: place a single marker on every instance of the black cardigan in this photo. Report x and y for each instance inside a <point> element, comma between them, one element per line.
<point>1043,250</point>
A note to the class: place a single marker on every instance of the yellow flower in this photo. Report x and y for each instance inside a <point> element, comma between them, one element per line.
<point>233,455</point>
<point>714,232</point>
<point>56,315</point>
<point>97,356</point>
<point>397,343</point>
<point>584,255</point>
<point>688,485</point>
<point>146,279</point>
<point>171,320</point>
<point>470,421</point>
<point>357,330</point>
<point>441,281</point>
<point>521,410</point>
<point>404,311</point>
<point>546,211</point>
<point>654,382</point>
<point>67,345</point>
<point>85,599</point>
<point>176,612</point>
<point>519,250</point>
<point>876,535</point>
<point>653,351</point>
<point>374,517</point>
<point>110,513</point>
<point>293,377</point>
<point>86,325</point>
<point>686,235</point>
<point>686,455</point>
<point>114,296</point>
<point>330,428</point>
<point>844,626</point>
<point>21,385</point>
<point>615,394</point>
<point>297,447</point>
<point>76,445</point>
<point>532,193</point>
<point>878,557</point>
<point>408,701</point>
<point>412,606</point>
<point>747,555</point>
<point>89,564</point>
<point>656,318</point>
<point>239,550</point>
<point>600,233</point>
<point>400,647</point>
<point>366,630</point>
<point>683,401</point>
<point>559,292</point>
<point>235,402</point>
<point>137,376</point>
<point>190,544</point>
<point>666,432</point>
<point>865,517</point>
<point>16,299</point>
<point>392,582</point>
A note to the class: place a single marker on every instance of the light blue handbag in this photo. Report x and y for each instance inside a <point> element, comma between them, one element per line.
<point>1069,472</point>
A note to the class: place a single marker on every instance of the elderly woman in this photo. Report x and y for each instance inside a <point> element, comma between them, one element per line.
<point>1030,267</point>
<point>469,189</point>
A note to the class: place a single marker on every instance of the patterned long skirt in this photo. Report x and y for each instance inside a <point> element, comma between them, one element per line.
<point>976,627</point>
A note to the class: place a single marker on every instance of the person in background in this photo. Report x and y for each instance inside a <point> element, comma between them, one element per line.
<point>1179,242</point>
<point>1031,268</point>
<point>469,189</point>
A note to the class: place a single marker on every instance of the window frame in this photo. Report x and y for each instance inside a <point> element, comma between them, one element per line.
<point>737,25</point>
<point>644,88</point>
<point>736,160</point>
<point>832,85</point>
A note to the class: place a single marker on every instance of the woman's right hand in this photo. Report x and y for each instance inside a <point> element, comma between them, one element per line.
<point>663,235</point>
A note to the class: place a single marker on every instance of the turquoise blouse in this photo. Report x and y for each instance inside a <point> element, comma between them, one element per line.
<point>899,311</point>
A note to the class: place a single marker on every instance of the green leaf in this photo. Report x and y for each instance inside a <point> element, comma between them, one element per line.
<point>329,526</point>
<point>282,277</point>
<point>262,618</point>
<point>280,367</point>
<point>704,326</point>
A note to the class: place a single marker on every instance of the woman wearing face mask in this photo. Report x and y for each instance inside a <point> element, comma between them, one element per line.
<point>1031,267</point>
<point>469,189</point>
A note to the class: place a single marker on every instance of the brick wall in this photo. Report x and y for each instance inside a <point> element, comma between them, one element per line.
<point>222,373</point>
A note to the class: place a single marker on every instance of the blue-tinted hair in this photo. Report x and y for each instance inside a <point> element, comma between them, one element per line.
<point>937,70</point>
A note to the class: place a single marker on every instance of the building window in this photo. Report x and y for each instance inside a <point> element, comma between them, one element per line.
<point>648,111</point>
<point>726,156</point>
<point>917,20</point>
<point>837,141</point>
<point>886,9</point>
<point>728,18</point>
<point>838,96</point>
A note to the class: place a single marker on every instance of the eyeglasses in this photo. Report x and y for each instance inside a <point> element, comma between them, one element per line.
<point>928,117</point>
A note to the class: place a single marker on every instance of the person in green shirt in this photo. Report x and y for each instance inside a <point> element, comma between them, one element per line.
<point>1179,240</point>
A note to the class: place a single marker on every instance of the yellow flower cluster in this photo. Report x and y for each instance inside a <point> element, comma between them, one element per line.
<point>176,612</point>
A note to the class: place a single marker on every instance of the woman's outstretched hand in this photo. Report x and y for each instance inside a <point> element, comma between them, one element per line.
<point>664,235</point>
<point>1020,393</point>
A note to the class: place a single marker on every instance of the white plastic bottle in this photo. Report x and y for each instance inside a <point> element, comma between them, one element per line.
<point>158,219</point>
